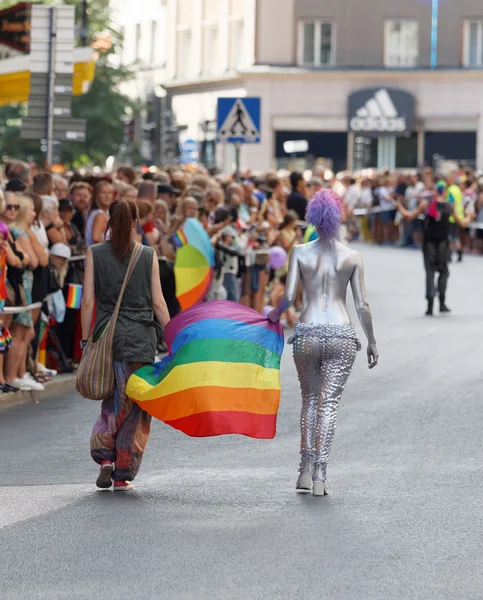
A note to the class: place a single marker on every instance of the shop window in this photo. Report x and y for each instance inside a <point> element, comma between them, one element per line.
<point>401,43</point>
<point>473,44</point>
<point>316,44</point>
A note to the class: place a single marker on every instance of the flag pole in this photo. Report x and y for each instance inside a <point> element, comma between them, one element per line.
<point>434,33</point>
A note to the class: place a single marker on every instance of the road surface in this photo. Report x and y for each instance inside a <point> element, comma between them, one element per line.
<point>219,518</point>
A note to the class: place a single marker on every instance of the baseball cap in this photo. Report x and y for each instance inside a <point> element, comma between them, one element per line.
<point>165,188</point>
<point>65,205</point>
<point>61,250</point>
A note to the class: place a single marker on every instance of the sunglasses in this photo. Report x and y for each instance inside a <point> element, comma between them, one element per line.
<point>12,206</point>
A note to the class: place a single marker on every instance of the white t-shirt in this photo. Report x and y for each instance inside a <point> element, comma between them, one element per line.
<point>412,197</point>
<point>385,197</point>
<point>352,195</point>
<point>41,235</point>
<point>366,198</point>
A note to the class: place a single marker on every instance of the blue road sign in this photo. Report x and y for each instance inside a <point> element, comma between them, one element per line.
<point>238,120</point>
<point>189,151</point>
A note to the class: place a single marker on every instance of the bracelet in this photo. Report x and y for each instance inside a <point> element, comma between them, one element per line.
<point>83,344</point>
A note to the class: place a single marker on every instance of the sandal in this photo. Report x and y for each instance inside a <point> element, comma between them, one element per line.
<point>42,377</point>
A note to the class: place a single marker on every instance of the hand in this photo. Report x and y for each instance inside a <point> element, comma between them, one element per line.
<point>372,355</point>
<point>273,316</point>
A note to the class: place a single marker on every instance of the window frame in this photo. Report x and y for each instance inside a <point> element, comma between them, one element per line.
<point>317,43</point>
<point>387,24</point>
<point>466,43</point>
<point>181,73</point>
<point>235,20</point>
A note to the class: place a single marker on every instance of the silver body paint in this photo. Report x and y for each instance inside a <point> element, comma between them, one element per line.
<point>324,341</point>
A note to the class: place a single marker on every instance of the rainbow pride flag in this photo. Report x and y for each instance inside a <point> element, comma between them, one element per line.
<point>222,375</point>
<point>74,296</point>
<point>179,239</point>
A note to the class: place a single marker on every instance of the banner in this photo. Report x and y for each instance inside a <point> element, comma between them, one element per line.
<point>15,28</point>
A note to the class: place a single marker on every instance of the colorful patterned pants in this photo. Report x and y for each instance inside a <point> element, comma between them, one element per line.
<point>121,432</point>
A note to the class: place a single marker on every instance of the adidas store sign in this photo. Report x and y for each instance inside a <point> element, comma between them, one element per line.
<point>381,111</point>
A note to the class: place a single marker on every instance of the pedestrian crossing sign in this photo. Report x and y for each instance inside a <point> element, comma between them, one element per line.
<point>238,120</point>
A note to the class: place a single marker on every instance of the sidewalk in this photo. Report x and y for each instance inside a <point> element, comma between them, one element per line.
<point>61,384</point>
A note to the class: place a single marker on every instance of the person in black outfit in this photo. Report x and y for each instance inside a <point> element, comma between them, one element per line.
<point>297,200</point>
<point>436,243</point>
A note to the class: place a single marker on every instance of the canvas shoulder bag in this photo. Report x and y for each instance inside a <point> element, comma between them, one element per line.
<point>95,376</point>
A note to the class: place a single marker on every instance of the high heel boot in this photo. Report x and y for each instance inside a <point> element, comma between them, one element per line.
<point>319,480</point>
<point>304,482</point>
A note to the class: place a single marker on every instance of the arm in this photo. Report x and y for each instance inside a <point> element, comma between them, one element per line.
<point>159,303</point>
<point>39,252</point>
<point>24,245</point>
<point>12,259</point>
<point>99,228</point>
<point>411,215</point>
<point>88,298</point>
<point>291,288</point>
<point>56,234</point>
<point>363,310</point>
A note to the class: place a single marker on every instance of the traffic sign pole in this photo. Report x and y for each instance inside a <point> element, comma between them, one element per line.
<point>237,160</point>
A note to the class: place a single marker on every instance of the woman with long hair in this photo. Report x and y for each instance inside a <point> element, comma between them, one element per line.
<point>22,325</point>
<point>324,340</point>
<point>96,225</point>
<point>121,432</point>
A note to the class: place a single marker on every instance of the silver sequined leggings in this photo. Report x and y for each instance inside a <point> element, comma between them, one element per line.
<point>323,367</point>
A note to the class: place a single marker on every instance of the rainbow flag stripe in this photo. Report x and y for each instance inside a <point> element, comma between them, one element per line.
<point>179,239</point>
<point>222,375</point>
<point>74,296</point>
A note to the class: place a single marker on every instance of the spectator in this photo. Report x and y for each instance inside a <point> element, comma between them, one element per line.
<point>297,200</point>
<point>169,194</point>
<point>61,187</point>
<point>22,325</point>
<point>99,214</point>
<point>147,192</point>
<point>127,175</point>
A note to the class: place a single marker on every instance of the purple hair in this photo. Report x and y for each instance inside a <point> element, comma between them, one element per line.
<point>324,213</point>
<point>4,230</point>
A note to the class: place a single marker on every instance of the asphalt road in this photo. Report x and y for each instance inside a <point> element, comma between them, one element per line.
<point>219,518</point>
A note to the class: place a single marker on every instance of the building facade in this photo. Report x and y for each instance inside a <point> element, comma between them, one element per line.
<point>143,29</point>
<point>310,62</point>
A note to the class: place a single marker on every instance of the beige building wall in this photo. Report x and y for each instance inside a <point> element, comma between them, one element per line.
<point>276,32</point>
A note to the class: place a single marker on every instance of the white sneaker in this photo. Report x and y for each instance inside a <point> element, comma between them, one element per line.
<point>43,369</point>
<point>27,379</point>
<point>21,385</point>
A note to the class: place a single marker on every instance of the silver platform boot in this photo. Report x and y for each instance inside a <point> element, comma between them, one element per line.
<point>319,480</point>
<point>304,482</point>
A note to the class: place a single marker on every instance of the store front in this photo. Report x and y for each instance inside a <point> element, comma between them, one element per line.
<point>381,122</point>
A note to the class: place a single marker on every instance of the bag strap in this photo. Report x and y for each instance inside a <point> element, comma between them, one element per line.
<point>135,256</point>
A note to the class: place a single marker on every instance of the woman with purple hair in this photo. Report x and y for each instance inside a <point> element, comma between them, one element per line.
<point>324,339</point>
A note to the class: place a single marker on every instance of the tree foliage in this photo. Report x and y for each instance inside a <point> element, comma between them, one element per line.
<point>103,106</point>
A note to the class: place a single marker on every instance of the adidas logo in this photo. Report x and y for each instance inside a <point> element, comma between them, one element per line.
<point>378,114</point>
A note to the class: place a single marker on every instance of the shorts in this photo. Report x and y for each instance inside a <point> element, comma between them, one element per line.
<point>388,216</point>
<point>453,232</point>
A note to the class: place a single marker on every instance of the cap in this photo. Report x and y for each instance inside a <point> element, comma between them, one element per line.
<point>15,185</point>
<point>61,250</point>
<point>65,205</point>
<point>165,188</point>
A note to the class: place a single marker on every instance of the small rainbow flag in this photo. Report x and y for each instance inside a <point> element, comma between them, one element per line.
<point>222,375</point>
<point>74,296</point>
<point>179,239</point>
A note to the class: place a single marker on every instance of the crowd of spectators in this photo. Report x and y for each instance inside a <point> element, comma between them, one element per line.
<point>48,221</point>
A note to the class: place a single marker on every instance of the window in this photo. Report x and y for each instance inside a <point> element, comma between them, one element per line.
<point>138,41</point>
<point>185,64</point>
<point>401,43</point>
<point>473,44</point>
<point>154,35</point>
<point>210,48</point>
<point>236,43</point>
<point>316,43</point>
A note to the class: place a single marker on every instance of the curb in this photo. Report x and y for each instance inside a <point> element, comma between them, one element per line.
<point>61,384</point>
